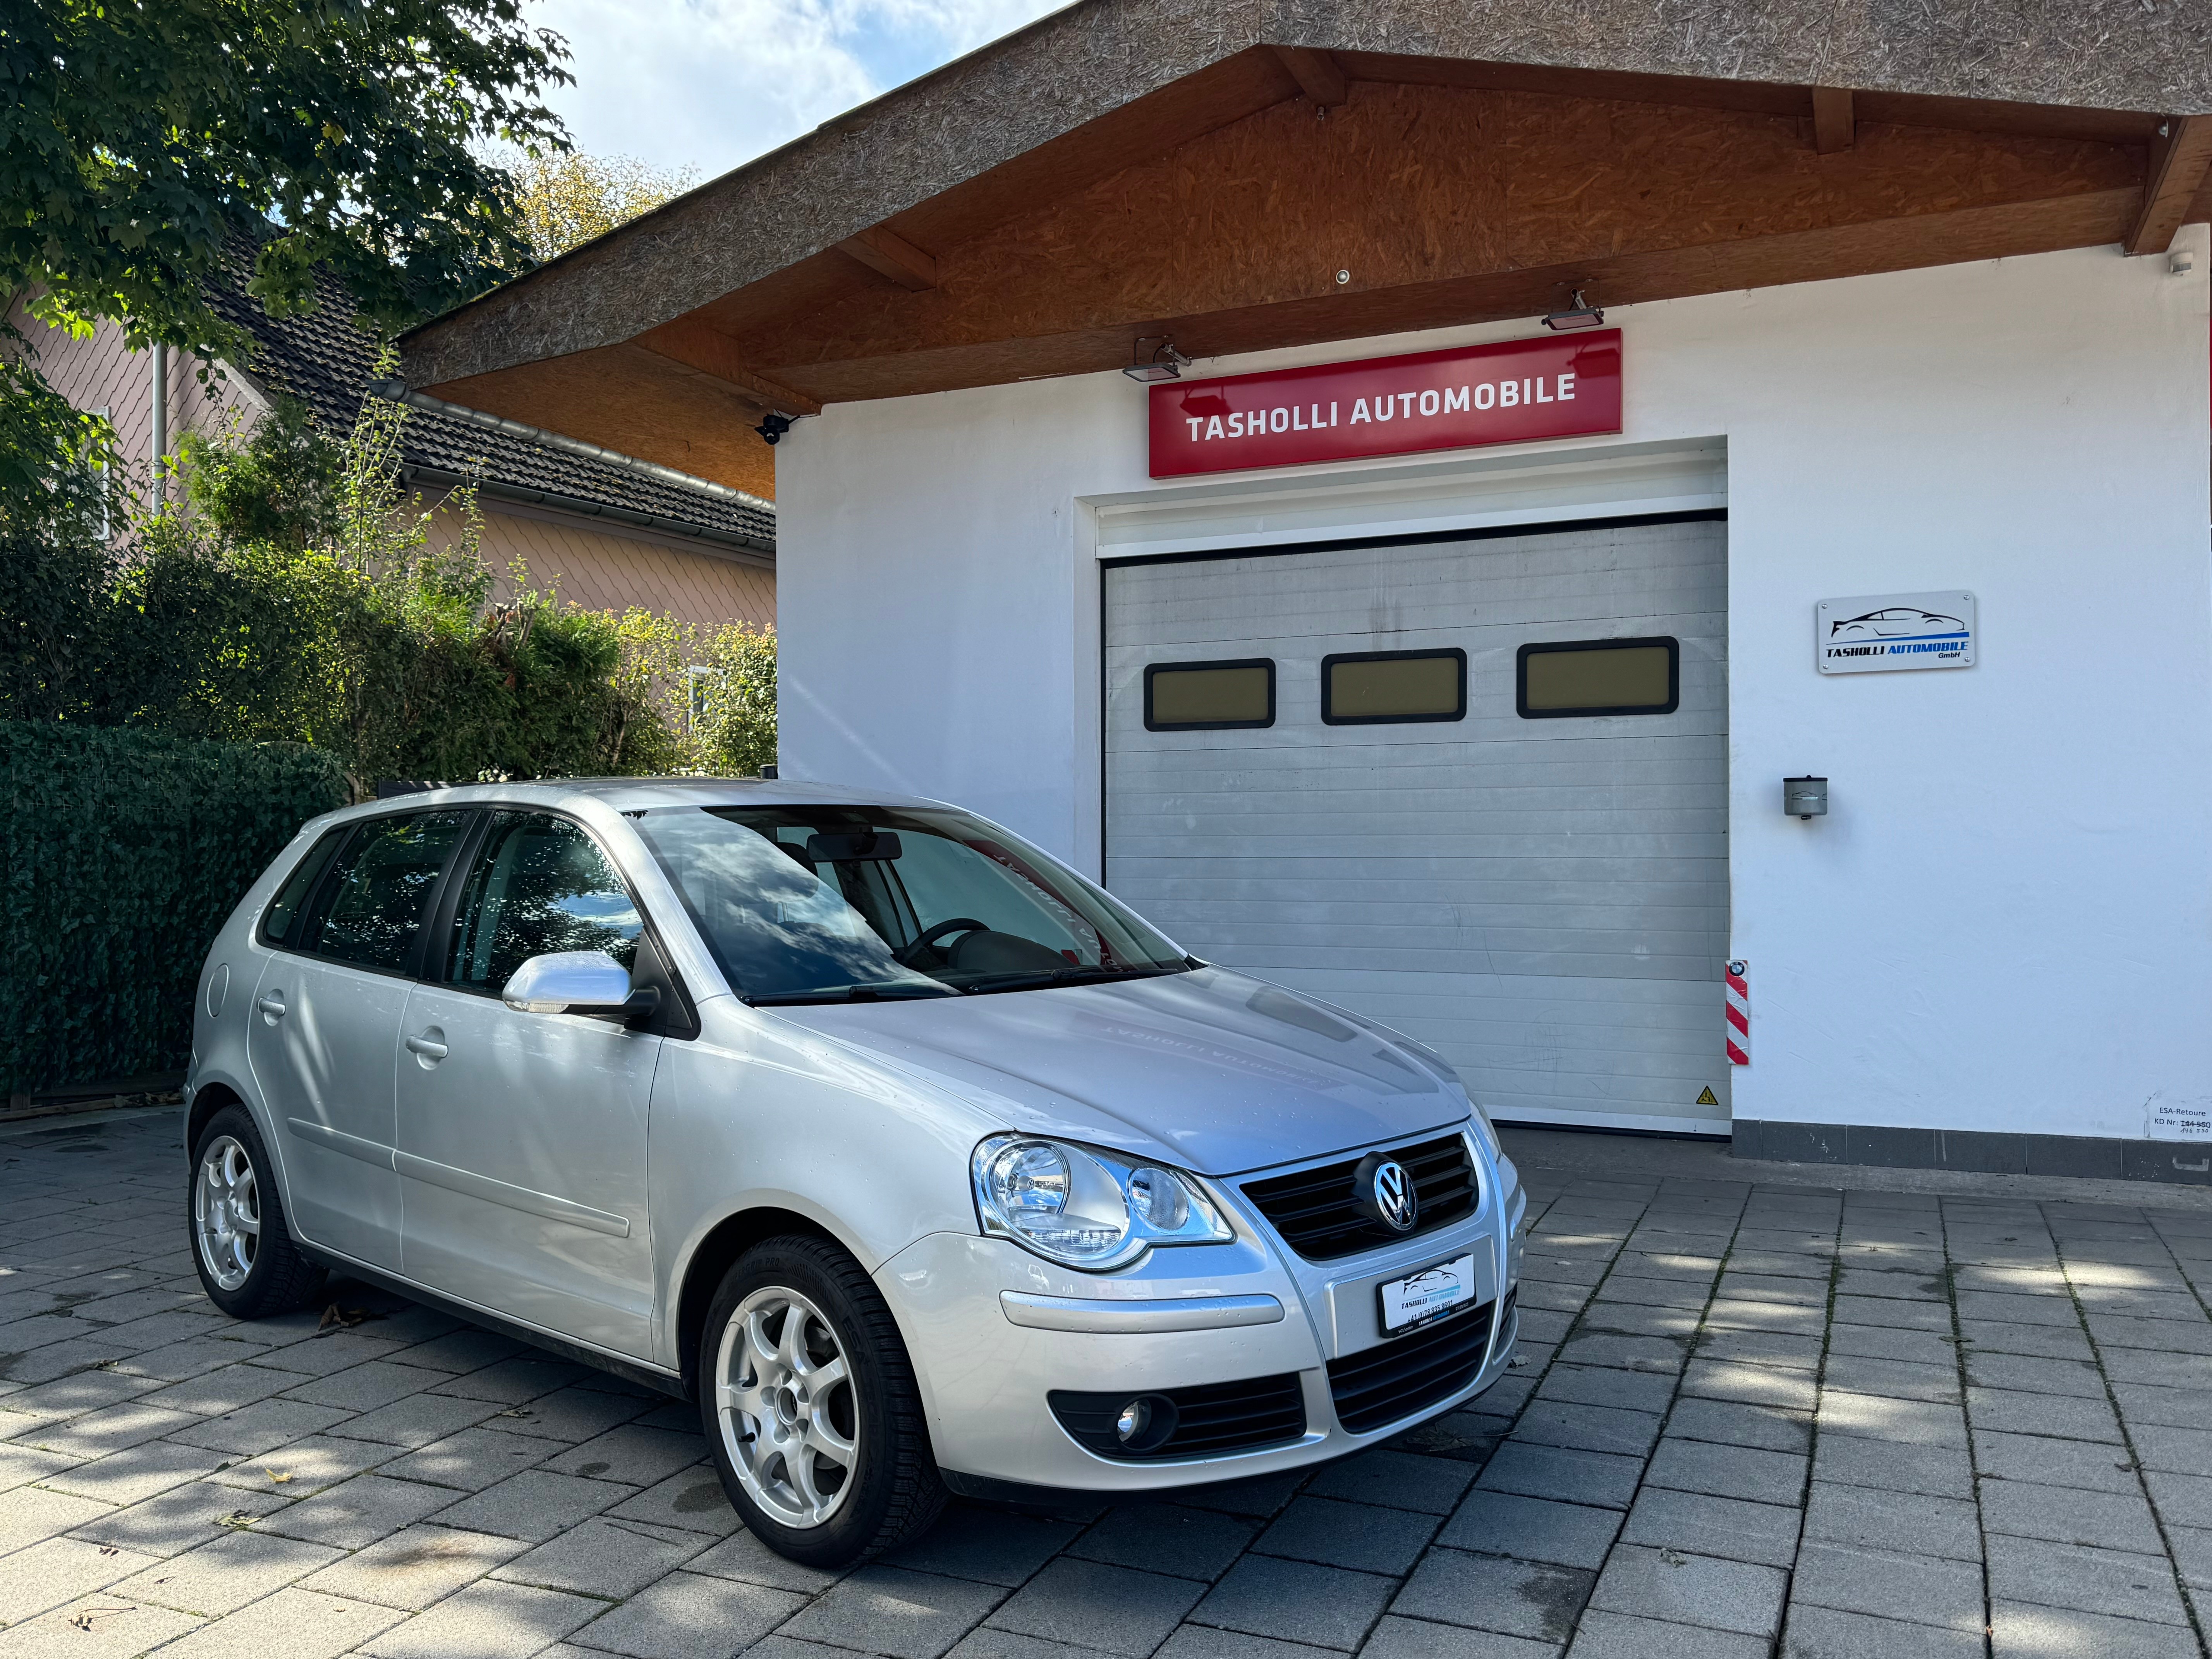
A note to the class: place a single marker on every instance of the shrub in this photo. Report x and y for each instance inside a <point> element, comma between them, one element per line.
<point>124,851</point>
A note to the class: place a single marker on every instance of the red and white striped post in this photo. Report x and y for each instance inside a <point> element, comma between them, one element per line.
<point>1739,1014</point>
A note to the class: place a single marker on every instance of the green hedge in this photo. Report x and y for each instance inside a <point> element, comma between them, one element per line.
<point>125,851</point>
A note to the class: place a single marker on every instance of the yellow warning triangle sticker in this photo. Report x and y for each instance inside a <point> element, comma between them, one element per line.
<point>1707,1097</point>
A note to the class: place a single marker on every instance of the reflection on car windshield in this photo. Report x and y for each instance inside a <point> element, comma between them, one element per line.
<point>838,903</point>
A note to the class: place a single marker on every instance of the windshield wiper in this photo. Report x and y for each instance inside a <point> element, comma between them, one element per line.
<point>892,992</point>
<point>1032,979</point>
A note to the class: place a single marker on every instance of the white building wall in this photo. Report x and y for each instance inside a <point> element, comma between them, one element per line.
<point>2006,922</point>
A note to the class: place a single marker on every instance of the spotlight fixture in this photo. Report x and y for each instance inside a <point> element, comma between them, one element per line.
<point>771,427</point>
<point>1581,315</point>
<point>1164,362</point>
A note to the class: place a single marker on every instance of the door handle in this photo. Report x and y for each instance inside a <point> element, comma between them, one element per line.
<point>427,1046</point>
<point>271,1003</point>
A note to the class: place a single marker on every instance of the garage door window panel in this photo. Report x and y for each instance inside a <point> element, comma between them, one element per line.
<point>1209,697</point>
<point>1584,678</point>
<point>1393,687</point>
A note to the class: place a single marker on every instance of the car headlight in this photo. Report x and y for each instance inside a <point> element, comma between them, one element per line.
<point>1479,1125</point>
<point>1084,1208</point>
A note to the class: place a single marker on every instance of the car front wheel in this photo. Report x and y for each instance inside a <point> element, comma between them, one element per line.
<point>247,1262</point>
<point>809,1401</point>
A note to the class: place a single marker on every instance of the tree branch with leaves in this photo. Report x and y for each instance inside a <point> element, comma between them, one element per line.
<point>136,135</point>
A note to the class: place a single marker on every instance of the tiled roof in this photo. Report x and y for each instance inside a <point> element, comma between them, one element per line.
<point>326,361</point>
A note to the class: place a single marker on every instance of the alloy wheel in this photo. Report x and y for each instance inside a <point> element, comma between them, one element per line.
<point>227,1212</point>
<point>785,1399</point>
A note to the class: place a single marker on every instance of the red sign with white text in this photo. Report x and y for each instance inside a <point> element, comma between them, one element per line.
<point>1559,385</point>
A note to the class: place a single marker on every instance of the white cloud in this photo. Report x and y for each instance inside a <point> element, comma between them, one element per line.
<point>711,83</point>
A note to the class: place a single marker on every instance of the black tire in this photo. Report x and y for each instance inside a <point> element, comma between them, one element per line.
<point>895,1492</point>
<point>280,1278</point>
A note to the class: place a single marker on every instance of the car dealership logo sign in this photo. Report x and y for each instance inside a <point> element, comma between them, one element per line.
<point>1882,632</point>
<point>1513,391</point>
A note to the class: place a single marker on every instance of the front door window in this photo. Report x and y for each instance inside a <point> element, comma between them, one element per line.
<point>538,885</point>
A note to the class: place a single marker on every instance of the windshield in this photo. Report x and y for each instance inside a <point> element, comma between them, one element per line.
<point>855,903</point>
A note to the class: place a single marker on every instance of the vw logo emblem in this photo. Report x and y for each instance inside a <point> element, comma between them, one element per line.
<point>1395,1201</point>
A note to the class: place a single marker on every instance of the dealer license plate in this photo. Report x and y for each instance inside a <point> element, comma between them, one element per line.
<point>1426,1296</point>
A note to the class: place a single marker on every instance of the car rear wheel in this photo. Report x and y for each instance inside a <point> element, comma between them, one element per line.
<point>247,1262</point>
<point>809,1403</point>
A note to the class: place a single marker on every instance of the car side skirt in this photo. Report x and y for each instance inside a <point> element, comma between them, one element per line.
<point>630,1370</point>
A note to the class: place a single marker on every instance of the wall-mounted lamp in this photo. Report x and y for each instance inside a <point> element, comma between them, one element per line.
<point>1163,362</point>
<point>1805,798</point>
<point>773,427</point>
<point>1579,315</point>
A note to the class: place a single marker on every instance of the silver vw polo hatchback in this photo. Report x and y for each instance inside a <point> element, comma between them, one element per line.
<point>914,1157</point>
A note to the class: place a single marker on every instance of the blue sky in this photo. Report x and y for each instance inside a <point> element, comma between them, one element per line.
<point>711,83</point>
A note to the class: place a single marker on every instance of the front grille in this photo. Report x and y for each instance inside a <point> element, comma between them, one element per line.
<point>1314,1212</point>
<point>1219,1417</point>
<point>1393,1380</point>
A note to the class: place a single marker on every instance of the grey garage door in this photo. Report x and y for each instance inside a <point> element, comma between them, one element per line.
<point>1541,897</point>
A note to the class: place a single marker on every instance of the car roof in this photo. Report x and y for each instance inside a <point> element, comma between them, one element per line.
<point>643,795</point>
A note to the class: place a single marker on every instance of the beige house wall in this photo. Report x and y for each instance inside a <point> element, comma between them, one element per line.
<point>102,373</point>
<point>601,567</point>
<point>603,571</point>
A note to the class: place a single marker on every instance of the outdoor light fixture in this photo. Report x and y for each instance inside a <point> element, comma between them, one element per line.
<point>1805,798</point>
<point>1579,315</point>
<point>771,427</point>
<point>1164,363</point>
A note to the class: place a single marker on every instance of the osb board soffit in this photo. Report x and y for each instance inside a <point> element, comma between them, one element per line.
<point>1416,206</point>
<point>1020,95</point>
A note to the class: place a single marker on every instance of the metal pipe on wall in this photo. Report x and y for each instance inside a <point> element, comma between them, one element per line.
<point>160,444</point>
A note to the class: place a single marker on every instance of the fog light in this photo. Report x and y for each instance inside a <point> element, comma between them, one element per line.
<point>1144,1424</point>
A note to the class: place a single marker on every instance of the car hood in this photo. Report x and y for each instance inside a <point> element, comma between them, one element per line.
<point>1209,1069</point>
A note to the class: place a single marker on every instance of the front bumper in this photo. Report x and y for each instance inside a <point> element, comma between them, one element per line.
<point>993,1330</point>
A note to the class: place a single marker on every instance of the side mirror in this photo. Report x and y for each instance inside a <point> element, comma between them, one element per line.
<point>576,982</point>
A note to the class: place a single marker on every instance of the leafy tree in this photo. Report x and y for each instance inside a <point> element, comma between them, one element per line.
<point>56,467</point>
<point>568,198</point>
<point>135,135</point>
<point>276,487</point>
<point>735,727</point>
<point>305,597</point>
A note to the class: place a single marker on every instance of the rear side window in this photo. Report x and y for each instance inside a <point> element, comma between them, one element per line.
<point>276,921</point>
<point>1585,678</point>
<point>384,880</point>
<point>538,884</point>
<point>1209,697</point>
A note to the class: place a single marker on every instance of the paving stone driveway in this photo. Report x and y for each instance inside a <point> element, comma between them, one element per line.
<point>1745,1419</point>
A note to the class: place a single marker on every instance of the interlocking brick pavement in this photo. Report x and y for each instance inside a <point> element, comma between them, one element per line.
<point>1747,1418</point>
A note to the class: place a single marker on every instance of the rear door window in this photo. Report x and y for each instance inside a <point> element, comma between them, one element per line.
<point>383,882</point>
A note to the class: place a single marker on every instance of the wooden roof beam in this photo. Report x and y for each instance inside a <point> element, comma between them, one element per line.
<point>889,254</point>
<point>2180,162</point>
<point>1834,125</point>
<point>1318,74</point>
<point>712,353</point>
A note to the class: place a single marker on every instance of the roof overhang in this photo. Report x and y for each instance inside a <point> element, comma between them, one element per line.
<point>1206,170</point>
